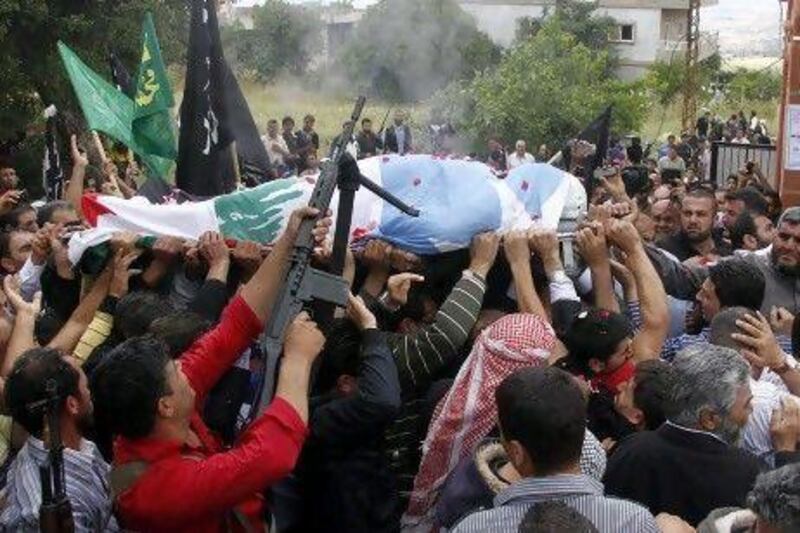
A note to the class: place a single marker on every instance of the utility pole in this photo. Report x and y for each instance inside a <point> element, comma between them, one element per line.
<point>788,143</point>
<point>690,85</point>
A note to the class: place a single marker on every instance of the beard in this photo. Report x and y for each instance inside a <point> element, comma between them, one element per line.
<point>786,270</point>
<point>85,422</point>
<point>697,236</point>
<point>729,431</point>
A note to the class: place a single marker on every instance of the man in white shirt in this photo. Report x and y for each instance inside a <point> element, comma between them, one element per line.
<point>520,156</point>
<point>277,150</point>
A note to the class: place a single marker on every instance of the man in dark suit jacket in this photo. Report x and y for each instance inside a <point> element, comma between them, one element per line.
<point>397,138</point>
<point>690,465</point>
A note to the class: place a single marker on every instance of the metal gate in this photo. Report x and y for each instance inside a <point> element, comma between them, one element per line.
<point>728,158</point>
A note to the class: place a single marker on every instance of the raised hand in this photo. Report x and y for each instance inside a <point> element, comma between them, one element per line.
<point>623,234</point>
<point>358,312</point>
<point>761,348</point>
<point>304,340</point>
<point>781,320</point>
<point>79,157</point>
<point>399,285</point>
<point>483,252</point>
<point>213,248</point>
<point>11,288</point>
<point>784,426</point>
<point>591,243</point>
<point>121,272</point>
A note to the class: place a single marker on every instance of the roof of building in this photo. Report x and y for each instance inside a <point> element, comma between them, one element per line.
<point>643,4</point>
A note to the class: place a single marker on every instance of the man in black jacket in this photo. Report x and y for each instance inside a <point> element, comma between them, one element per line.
<point>397,139</point>
<point>345,481</point>
<point>690,465</point>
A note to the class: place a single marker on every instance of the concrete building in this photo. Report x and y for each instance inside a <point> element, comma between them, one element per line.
<point>647,31</point>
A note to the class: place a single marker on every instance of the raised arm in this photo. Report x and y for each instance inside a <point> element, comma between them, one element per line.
<point>647,344</point>
<point>592,246</point>
<point>74,190</point>
<point>518,254</point>
<point>22,338</point>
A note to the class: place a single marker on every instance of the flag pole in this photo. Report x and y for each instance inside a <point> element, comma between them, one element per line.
<point>235,161</point>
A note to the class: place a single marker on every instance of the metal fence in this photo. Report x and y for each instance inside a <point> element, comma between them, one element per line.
<point>728,158</point>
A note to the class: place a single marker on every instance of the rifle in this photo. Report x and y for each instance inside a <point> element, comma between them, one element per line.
<point>55,514</point>
<point>302,284</point>
<point>383,122</point>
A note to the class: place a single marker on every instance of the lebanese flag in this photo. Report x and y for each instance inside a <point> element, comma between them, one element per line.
<point>259,214</point>
<point>456,198</point>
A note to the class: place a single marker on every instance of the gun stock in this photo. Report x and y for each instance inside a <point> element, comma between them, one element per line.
<point>55,514</point>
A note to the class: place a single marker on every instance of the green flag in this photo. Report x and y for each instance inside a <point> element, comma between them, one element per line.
<point>106,109</point>
<point>152,123</point>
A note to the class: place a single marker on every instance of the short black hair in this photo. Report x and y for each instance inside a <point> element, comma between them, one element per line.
<point>703,194</point>
<point>738,283</point>
<point>365,120</point>
<point>10,220</point>
<point>341,354</point>
<point>287,120</point>
<point>309,117</point>
<point>743,225</point>
<point>754,201</point>
<point>45,213</point>
<point>544,410</point>
<point>653,381</point>
<point>136,311</point>
<point>595,334</point>
<point>128,384</point>
<point>554,516</point>
<point>179,330</point>
<point>27,384</point>
<point>48,324</point>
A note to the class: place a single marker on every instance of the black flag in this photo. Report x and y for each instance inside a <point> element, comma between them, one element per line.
<point>119,75</point>
<point>253,158</point>
<point>205,166</point>
<point>52,173</point>
<point>596,133</point>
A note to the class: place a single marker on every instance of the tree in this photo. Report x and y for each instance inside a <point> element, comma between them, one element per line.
<point>546,90</point>
<point>578,19</point>
<point>30,66</point>
<point>745,85</point>
<point>284,38</point>
<point>665,80</point>
<point>407,49</point>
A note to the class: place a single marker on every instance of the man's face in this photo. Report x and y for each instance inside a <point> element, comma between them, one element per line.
<point>621,356</point>
<point>732,210</point>
<point>665,218</point>
<point>180,402</point>
<point>272,128</point>
<point>308,123</point>
<point>708,300</point>
<point>399,117</point>
<point>697,218</point>
<point>521,148</point>
<point>65,216</point>
<point>765,231</point>
<point>27,221</point>
<point>672,153</point>
<point>84,418</point>
<point>8,178</point>
<point>19,250</point>
<point>366,126</point>
<point>730,428</point>
<point>288,127</point>
<point>786,248</point>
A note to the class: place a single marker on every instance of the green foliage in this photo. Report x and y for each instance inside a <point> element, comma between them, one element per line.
<point>407,49</point>
<point>30,68</point>
<point>745,85</point>
<point>665,80</point>
<point>577,18</point>
<point>546,89</point>
<point>284,38</point>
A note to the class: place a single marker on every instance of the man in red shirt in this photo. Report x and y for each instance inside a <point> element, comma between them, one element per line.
<point>170,473</point>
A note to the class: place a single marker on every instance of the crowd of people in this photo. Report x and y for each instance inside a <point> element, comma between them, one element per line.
<point>654,388</point>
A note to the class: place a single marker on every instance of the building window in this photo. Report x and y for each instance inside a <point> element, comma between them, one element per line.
<point>622,33</point>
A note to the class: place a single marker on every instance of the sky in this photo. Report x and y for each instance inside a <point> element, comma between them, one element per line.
<point>738,21</point>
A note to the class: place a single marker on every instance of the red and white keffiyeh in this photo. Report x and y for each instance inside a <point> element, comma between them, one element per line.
<point>468,412</point>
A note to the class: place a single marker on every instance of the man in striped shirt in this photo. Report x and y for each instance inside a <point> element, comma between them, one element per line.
<point>85,470</point>
<point>422,355</point>
<point>542,416</point>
